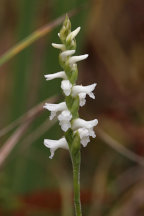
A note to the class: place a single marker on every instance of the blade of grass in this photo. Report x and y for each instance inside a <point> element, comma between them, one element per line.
<point>15,137</point>
<point>32,112</point>
<point>32,38</point>
<point>114,144</point>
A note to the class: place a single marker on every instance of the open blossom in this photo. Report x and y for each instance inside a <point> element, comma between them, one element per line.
<point>82,91</point>
<point>55,144</point>
<point>54,108</point>
<point>64,120</point>
<point>85,129</point>
<point>66,87</point>
<point>81,123</point>
<point>60,74</point>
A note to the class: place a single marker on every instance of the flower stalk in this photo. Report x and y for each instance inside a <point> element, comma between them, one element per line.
<point>76,130</point>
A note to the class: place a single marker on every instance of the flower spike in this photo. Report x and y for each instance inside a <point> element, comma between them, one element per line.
<point>77,131</point>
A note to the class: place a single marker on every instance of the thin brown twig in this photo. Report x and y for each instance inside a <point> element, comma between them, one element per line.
<point>32,112</point>
<point>15,137</point>
<point>45,126</point>
<point>120,148</point>
<point>39,33</point>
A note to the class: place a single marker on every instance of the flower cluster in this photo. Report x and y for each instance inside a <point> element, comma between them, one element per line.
<point>75,95</point>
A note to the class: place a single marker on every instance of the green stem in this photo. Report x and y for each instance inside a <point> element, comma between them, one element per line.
<point>76,183</point>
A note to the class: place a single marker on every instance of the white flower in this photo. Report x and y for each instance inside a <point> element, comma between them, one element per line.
<point>66,87</point>
<point>54,108</point>
<point>55,144</point>
<point>82,91</point>
<point>64,120</point>
<point>60,74</point>
<point>75,59</point>
<point>85,129</point>
<point>66,54</point>
<point>58,46</point>
<point>81,123</point>
<point>73,34</point>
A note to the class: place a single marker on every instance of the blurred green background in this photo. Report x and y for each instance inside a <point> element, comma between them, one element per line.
<point>112,173</point>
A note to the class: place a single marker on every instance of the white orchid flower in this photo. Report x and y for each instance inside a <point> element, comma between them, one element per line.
<point>66,87</point>
<point>85,129</point>
<point>82,91</point>
<point>81,123</point>
<point>64,120</point>
<point>73,34</point>
<point>55,144</point>
<point>54,108</point>
<point>60,74</point>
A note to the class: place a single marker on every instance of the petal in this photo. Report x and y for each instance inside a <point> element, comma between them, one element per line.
<point>66,87</point>
<point>67,53</point>
<point>73,34</point>
<point>84,136</point>
<point>82,99</point>
<point>60,74</point>
<point>52,115</point>
<point>58,46</point>
<point>75,59</point>
<point>64,120</point>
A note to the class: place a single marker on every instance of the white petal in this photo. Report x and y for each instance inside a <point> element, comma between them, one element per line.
<point>75,59</point>
<point>81,123</point>
<point>67,53</point>
<point>60,74</point>
<point>82,99</point>
<point>64,120</point>
<point>58,46</point>
<point>54,108</point>
<point>91,133</point>
<point>73,34</point>
<point>55,144</point>
<point>84,136</point>
<point>52,115</point>
<point>91,95</point>
<point>66,87</point>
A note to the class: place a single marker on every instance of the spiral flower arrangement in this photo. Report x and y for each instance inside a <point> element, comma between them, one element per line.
<point>77,131</point>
